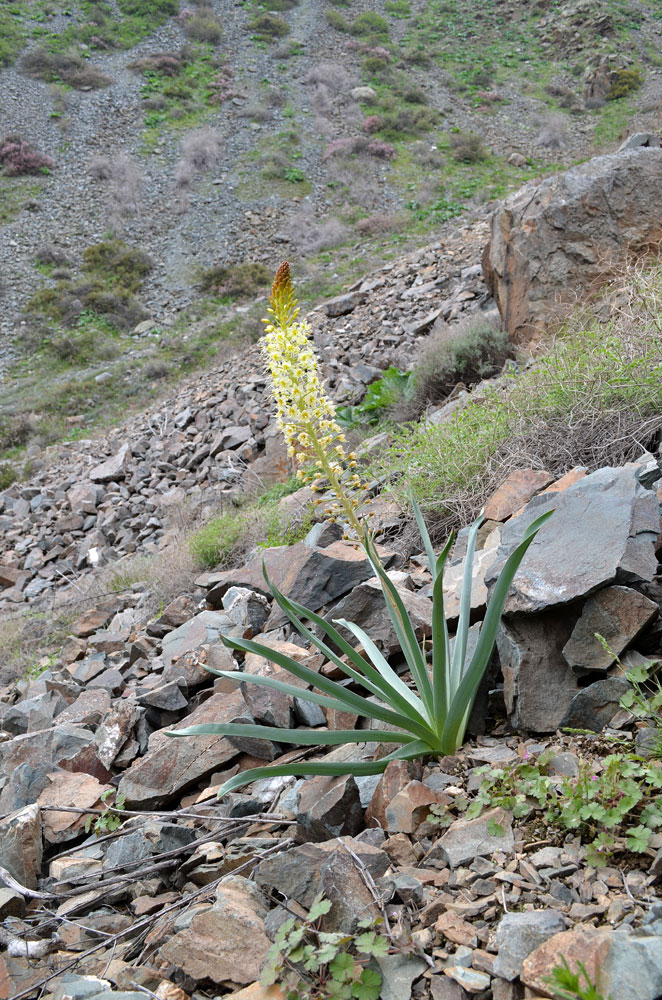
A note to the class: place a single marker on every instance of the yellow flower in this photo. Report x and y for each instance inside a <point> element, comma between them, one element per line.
<point>305,413</point>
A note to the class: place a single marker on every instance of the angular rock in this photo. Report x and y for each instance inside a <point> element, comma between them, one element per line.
<point>564,562</point>
<point>21,845</point>
<point>297,872</point>
<point>115,730</point>
<point>538,684</point>
<point>518,934</point>
<point>328,807</point>
<point>113,468</point>
<point>411,806</point>
<point>80,790</point>
<point>172,764</point>
<point>398,973</point>
<point>343,304</point>
<point>468,839</point>
<point>619,615</point>
<point>205,628</point>
<point>520,486</point>
<point>552,242</point>
<point>312,576</point>
<point>226,942</point>
<point>595,706</point>
<point>397,775</point>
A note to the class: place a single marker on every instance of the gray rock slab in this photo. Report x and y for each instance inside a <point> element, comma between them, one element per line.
<point>594,706</point>
<point>468,839</point>
<point>619,615</point>
<point>518,934</point>
<point>604,530</point>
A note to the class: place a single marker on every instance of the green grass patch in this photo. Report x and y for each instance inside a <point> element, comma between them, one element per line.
<point>15,193</point>
<point>593,377</point>
<point>228,536</point>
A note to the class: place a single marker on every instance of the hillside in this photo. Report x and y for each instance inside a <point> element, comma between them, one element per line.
<point>205,140</point>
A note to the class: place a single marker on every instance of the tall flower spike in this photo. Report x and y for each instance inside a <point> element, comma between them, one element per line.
<point>305,414</point>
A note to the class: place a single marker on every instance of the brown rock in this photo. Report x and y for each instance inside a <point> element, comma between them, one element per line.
<point>90,621</point>
<point>172,764</point>
<point>80,790</point>
<point>257,992</point>
<point>88,709</point>
<point>215,945</point>
<point>588,945</point>
<point>552,242</point>
<point>516,490</point>
<point>455,929</point>
<point>73,649</point>
<point>411,806</point>
<point>397,776</point>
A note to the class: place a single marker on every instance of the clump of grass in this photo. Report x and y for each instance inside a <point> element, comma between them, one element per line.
<point>227,538</point>
<point>64,67</point>
<point>268,27</point>
<point>236,281</point>
<point>472,351</point>
<point>593,399</point>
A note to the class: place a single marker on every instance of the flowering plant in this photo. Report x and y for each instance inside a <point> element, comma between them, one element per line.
<point>429,718</point>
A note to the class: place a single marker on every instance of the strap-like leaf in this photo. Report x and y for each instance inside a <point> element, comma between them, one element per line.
<point>404,630</point>
<point>440,645</point>
<point>331,768</point>
<point>352,702</point>
<point>425,535</point>
<point>292,690</point>
<point>301,737</point>
<point>466,692</point>
<point>373,681</point>
<point>460,650</point>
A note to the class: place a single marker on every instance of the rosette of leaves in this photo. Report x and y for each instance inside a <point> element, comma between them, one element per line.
<point>428,718</point>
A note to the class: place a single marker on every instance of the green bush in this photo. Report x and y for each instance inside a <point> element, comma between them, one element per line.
<point>370,25</point>
<point>268,27</point>
<point>118,265</point>
<point>216,543</point>
<point>335,19</point>
<point>236,281</point>
<point>624,81</point>
<point>468,353</point>
<point>467,147</point>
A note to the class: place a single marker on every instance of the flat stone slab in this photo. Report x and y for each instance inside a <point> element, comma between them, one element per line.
<point>603,531</point>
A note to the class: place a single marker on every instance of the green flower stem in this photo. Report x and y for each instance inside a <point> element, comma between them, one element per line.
<point>336,485</point>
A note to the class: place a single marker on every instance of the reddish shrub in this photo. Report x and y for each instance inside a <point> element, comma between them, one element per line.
<point>18,157</point>
<point>382,150</point>
<point>371,124</point>
<point>344,147</point>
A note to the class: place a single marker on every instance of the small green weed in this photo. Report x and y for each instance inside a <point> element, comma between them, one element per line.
<point>615,806</point>
<point>312,964</point>
<point>109,820</point>
<point>567,985</point>
<point>393,387</point>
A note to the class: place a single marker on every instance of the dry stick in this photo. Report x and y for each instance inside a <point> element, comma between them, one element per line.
<point>206,890</point>
<point>370,885</point>
<point>23,890</point>
<point>178,815</point>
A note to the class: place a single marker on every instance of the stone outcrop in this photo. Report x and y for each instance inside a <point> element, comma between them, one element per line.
<point>554,242</point>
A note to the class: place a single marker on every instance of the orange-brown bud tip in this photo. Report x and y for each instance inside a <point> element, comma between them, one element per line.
<point>283,279</point>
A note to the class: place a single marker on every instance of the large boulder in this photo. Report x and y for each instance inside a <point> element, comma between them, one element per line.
<point>551,243</point>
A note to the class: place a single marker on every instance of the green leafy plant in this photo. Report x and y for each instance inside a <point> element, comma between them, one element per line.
<point>615,806</point>
<point>567,985</point>
<point>109,820</point>
<point>429,719</point>
<point>393,386</point>
<point>312,964</point>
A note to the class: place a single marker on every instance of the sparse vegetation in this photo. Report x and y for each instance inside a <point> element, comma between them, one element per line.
<point>18,158</point>
<point>64,67</point>
<point>624,82</point>
<point>268,27</point>
<point>236,281</point>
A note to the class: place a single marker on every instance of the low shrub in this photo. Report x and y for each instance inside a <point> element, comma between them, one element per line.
<point>371,25</point>
<point>235,281</point>
<point>166,63</point>
<point>468,353</point>
<point>624,82</point>
<point>117,265</point>
<point>371,124</point>
<point>18,158</point>
<point>467,147</point>
<point>16,430</point>
<point>380,222</point>
<point>204,26</point>
<point>268,27</point>
<point>552,132</point>
<point>381,150</point>
<point>335,20</point>
<point>67,67</point>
